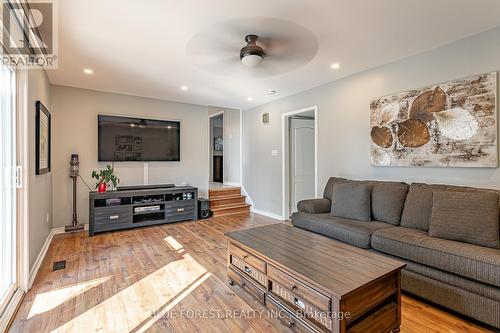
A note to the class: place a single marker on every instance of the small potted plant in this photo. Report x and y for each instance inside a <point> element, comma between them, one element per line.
<point>104,177</point>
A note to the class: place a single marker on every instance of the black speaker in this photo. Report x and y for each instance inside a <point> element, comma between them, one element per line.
<point>204,211</point>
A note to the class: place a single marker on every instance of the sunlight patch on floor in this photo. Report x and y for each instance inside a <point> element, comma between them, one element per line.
<point>172,304</point>
<point>174,244</point>
<point>133,305</point>
<point>50,300</point>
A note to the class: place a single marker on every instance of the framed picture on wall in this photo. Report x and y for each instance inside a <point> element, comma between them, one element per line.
<point>218,144</point>
<point>42,137</point>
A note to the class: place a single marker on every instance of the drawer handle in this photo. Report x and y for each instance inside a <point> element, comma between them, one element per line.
<point>114,217</point>
<point>248,270</point>
<point>293,287</point>
<point>291,324</point>
<point>180,209</point>
<point>244,256</point>
<point>299,303</point>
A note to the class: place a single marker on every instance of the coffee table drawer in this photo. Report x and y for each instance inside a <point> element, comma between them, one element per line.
<point>253,289</point>
<point>249,270</point>
<point>247,257</point>
<point>286,317</point>
<point>303,307</point>
<point>300,289</point>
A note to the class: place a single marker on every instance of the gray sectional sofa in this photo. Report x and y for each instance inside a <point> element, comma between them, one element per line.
<point>447,235</point>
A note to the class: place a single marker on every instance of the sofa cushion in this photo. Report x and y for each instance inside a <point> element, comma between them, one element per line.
<point>418,205</point>
<point>467,217</point>
<point>472,261</point>
<point>328,193</point>
<point>352,201</point>
<point>388,201</point>
<point>354,232</point>
<point>314,206</point>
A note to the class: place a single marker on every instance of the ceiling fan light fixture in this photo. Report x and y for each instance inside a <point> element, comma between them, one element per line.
<point>252,54</point>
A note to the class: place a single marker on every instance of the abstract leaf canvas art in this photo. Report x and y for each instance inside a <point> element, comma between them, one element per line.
<point>452,124</point>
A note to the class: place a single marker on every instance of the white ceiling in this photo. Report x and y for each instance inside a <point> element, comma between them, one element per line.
<point>145,48</point>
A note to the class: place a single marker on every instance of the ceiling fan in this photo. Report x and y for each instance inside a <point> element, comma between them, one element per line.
<point>273,47</point>
<point>252,54</point>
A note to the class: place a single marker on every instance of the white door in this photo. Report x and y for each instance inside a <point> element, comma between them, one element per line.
<point>7,185</point>
<point>302,162</point>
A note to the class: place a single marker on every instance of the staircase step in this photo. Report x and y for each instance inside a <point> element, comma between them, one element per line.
<point>223,191</point>
<point>227,200</point>
<point>230,209</point>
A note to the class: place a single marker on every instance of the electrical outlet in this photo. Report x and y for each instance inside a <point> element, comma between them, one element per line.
<point>47,218</point>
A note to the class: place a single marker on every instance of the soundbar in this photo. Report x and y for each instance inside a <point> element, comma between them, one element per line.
<point>144,187</point>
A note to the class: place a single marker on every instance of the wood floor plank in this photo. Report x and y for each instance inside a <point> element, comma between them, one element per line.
<point>165,279</point>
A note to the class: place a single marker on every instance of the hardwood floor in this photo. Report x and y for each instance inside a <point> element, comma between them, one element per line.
<point>170,278</point>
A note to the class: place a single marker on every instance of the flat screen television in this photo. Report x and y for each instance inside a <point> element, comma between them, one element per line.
<point>124,139</point>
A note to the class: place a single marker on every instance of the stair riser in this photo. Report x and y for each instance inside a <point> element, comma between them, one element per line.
<point>223,202</point>
<point>230,211</point>
<point>224,193</point>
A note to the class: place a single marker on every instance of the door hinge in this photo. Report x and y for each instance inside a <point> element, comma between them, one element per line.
<point>19,176</point>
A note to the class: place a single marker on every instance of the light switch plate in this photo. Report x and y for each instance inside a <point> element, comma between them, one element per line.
<point>274,152</point>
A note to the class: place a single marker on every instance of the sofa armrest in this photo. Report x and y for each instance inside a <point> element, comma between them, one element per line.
<point>314,206</point>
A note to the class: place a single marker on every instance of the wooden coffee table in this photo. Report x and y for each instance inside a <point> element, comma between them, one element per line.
<point>316,284</point>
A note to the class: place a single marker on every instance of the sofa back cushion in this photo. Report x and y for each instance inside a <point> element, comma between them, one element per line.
<point>470,217</point>
<point>328,193</point>
<point>352,200</point>
<point>388,201</point>
<point>418,205</point>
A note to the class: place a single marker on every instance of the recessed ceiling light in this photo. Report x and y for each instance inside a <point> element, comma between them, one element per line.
<point>250,99</point>
<point>271,92</point>
<point>336,66</point>
<point>88,71</point>
<point>184,88</point>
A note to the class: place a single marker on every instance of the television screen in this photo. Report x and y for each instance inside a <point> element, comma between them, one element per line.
<point>134,139</point>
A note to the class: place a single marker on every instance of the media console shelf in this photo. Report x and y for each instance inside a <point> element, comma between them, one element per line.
<point>125,209</point>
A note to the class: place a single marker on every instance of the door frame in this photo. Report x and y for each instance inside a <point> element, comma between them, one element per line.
<point>285,160</point>
<point>210,146</point>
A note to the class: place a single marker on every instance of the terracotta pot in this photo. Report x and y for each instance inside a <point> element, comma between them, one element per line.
<point>102,188</point>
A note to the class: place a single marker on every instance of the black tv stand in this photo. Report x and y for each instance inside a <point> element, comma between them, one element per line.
<point>132,208</point>
<point>144,187</point>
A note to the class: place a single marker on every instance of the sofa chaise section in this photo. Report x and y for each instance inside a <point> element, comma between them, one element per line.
<point>471,261</point>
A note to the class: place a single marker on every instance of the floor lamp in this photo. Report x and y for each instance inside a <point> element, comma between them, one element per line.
<point>73,174</point>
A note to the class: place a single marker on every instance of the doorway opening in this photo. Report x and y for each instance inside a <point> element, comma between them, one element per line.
<point>216,142</point>
<point>300,158</point>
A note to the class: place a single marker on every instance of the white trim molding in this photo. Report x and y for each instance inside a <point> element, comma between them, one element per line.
<point>10,310</point>
<point>39,259</point>
<point>284,155</point>
<point>268,214</point>
<point>248,198</point>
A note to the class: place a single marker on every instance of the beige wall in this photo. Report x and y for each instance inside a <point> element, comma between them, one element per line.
<point>344,122</point>
<point>74,114</point>
<point>40,187</point>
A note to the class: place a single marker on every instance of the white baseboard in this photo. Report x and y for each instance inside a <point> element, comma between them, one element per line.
<point>60,230</point>
<point>39,259</point>
<point>232,183</point>
<point>271,215</point>
<point>245,193</point>
<point>43,252</point>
